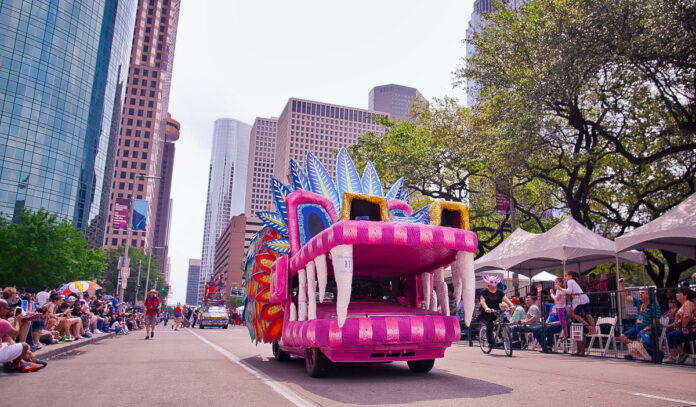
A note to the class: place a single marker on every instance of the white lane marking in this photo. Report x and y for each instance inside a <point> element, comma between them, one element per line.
<point>277,387</point>
<point>650,396</point>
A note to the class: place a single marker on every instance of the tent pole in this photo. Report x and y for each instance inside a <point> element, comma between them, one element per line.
<point>619,305</point>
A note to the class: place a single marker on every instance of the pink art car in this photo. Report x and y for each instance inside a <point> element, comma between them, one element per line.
<point>358,278</point>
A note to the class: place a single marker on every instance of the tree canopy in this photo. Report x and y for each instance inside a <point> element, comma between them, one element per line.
<point>40,249</point>
<point>138,258</point>
<point>586,108</point>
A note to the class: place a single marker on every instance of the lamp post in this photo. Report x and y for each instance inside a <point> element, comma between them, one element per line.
<point>149,259</point>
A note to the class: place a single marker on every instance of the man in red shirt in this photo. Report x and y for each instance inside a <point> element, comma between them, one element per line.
<point>152,307</point>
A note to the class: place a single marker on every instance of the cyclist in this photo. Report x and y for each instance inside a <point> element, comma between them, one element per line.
<point>490,300</point>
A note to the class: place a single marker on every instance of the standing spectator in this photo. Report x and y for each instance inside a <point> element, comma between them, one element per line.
<point>194,316</point>
<point>165,317</point>
<point>559,300</point>
<point>648,314</point>
<point>43,296</point>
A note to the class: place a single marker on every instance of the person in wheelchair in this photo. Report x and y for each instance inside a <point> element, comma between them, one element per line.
<point>490,299</point>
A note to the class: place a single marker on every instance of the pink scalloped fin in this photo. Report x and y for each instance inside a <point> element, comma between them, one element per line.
<point>279,280</point>
<point>401,205</point>
<point>302,223</point>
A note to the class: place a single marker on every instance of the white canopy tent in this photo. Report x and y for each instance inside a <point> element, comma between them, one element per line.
<point>570,246</point>
<point>543,276</point>
<point>675,231</point>
<point>504,255</point>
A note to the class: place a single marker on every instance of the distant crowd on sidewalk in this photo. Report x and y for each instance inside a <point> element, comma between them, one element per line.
<point>31,321</point>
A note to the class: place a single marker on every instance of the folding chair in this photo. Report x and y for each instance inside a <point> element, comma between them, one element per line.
<point>576,335</point>
<point>610,338</point>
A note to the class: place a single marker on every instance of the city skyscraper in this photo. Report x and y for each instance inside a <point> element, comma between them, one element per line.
<point>393,99</point>
<point>321,128</point>
<point>144,137</point>
<point>481,7</point>
<point>194,270</point>
<point>227,178</point>
<point>262,147</point>
<point>62,71</point>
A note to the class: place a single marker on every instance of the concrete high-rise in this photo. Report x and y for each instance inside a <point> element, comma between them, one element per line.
<point>63,66</point>
<point>262,148</point>
<point>227,179</point>
<point>393,99</point>
<point>143,136</point>
<point>481,7</point>
<point>194,270</point>
<point>321,128</point>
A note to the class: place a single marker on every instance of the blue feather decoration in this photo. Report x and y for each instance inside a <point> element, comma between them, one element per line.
<point>280,193</point>
<point>274,221</point>
<point>280,246</point>
<point>405,196</point>
<point>298,176</point>
<point>421,216</point>
<point>347,176</point>
<point>395,190</point>
<point>321,182</point>
<point>371,184</point>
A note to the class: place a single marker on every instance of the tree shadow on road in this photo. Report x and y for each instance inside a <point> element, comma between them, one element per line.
<point>378,383</point>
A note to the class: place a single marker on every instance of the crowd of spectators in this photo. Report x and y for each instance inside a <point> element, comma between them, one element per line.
<point>32,321</point>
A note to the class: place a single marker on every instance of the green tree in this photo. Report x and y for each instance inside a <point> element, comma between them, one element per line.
<point>40,249</point>
<point>596,99</point>
<point>138,258</point>
<point>440,157</point>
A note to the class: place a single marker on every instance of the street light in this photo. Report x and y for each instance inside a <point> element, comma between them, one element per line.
<point>149,259</point>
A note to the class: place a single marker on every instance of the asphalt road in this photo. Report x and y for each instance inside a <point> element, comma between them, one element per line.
<point>214,367</point>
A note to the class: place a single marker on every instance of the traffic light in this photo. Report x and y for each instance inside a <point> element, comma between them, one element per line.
<point>162,289</point>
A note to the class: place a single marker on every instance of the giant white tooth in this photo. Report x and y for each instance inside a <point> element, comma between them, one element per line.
<point>433,301</point>
<point>342,260</point>
<point>465,262</point>
<point>320,262</point>
<point>427,289</point>
<point>311,292</point>
<point>293,312</point>
<point>441,289</point>
<point>302,295</point>
<point>456,283</point>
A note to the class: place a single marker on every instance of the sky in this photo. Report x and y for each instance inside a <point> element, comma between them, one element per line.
<point>244,59</point>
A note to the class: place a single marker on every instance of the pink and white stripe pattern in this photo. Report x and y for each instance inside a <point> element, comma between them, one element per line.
<point>422,329</point>
<point>360,232</point>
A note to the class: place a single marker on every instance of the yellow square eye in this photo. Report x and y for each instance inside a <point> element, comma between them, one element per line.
<point>450,214</point>
<point>364,207</point>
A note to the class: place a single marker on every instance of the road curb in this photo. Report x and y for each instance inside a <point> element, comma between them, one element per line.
<point>51,351</point>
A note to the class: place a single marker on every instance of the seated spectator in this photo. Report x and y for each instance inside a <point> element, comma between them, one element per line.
<point>553,326</point>
<point>671,314</point>
<point>518,313</point>
<point>16,356</point>
<point>684,327</point>
<point>648,314</point>
<point>532,319</point>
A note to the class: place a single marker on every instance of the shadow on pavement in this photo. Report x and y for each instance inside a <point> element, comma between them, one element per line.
<point>378,383</point>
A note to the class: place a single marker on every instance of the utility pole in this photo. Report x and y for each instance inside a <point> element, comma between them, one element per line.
<point>149,259</point>
<point>137,284</point>
<point>125,270</point>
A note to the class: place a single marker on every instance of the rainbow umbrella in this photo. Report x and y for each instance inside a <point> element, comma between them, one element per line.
<point>78,287</point>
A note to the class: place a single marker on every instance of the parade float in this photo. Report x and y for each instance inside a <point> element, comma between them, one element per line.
<point>343,272</point>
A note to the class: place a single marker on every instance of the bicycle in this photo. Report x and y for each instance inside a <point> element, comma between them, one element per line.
<point>500,330</point>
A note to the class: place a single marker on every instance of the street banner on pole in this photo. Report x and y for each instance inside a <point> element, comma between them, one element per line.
<point>139,214</point>
<point>121,213</point>
<point>502,202</point>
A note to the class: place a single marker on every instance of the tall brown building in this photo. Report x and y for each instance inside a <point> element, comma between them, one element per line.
<point>262,153</point>
<point>146,151</point>
<point>229,253</point>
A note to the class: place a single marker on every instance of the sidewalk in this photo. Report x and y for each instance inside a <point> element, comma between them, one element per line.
<point>50,351</point>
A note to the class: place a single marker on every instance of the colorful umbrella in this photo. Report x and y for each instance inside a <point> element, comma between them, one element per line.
<point>78,287</point>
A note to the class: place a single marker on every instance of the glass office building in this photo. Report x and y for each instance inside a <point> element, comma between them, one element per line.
<point>63,68</point>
